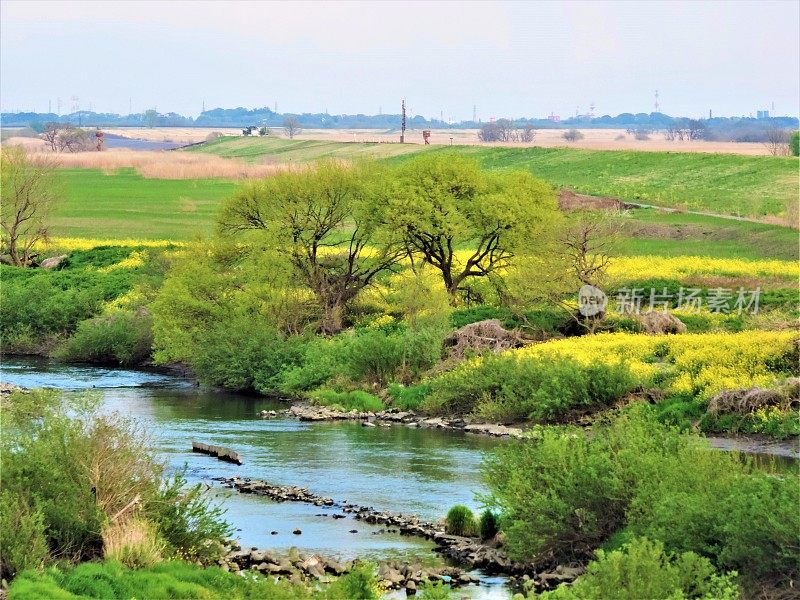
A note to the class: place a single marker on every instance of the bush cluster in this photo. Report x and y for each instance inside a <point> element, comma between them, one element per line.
<point>566,493</point>
<point>73,478</point>
<point>43,307</point>
<point>123,338</point>
<point>347,401</point>
<point>642,569</point>
<point>505,388</point>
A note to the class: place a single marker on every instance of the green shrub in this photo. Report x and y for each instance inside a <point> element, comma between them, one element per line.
<point>87,467</point>
<point>191,525</point>
<point>434,590</point>
<point>794,143</point>
<point>45,451</point>
<point>374,356</point>
<point>504,387</point>
<point>460,521</point>
<point>711,503</point>
<point>22,534</point>
<point>123,337</point>
<point>642,569</point>
<point>347,401</point>
<point>40,304</point>
<point>565,493</point>
<point>320,360</point>
<point>360,582</point>
<point>558,496</point>
<point>680,411</point>
<point>488,525</point>
<point>410,397</point>
<point>379,357</point>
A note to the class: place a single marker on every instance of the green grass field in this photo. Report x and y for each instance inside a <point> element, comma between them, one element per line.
<point>126,205</point>
<point>654,232</point>
<point>721,183</point>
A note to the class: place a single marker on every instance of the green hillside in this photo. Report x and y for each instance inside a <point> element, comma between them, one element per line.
<point>722,183</point>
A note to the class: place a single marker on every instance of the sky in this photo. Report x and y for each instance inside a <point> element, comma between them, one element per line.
<point>501,59</point>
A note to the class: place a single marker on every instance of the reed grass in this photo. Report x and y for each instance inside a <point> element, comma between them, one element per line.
<point>161,164</point>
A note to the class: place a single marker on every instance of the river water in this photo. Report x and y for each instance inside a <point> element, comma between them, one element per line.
<point>402,469</point>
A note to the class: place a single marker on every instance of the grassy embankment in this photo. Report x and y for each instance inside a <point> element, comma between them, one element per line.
<point>722,183</point>
<point>124,204</point>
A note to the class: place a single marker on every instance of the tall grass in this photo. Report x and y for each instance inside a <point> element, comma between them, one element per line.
<point>133,542</point>
<point>163,164</point>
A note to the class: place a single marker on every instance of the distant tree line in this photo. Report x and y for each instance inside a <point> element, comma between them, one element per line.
<point>737,129</point>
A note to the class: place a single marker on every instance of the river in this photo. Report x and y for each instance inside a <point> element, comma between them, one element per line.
<point>401,469</point>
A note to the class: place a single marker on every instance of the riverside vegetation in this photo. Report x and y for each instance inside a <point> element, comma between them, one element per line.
<point>349,286</point>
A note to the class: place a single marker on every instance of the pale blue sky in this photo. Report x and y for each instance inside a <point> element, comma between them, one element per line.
<point>508,58</point>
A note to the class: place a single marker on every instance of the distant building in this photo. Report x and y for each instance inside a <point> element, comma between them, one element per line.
<point>553,117</point>
<point>762,114</point>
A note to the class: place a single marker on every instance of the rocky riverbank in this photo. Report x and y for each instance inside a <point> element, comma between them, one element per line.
<point>299,567</point>
<point>476,553</point>
<point>394,416</point>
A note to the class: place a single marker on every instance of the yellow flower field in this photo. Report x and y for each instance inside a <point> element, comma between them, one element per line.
<point>677,267</point>
<point>70,244</point>
<point>701,364</point>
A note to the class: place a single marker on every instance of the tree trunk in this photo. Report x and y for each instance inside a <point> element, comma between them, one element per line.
<point>332,319</point>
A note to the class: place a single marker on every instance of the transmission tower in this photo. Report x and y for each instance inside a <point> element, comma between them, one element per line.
<point>474,114</point>
<point>657,105</point>
<point>403,122</point>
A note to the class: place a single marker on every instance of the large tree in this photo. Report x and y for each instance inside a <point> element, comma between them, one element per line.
<point>467,222</point>
<point>327,221</point>
<point>27,195</point>
<point>291,127</point>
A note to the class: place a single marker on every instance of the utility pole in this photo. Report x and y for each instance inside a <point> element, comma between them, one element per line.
<point>403,122</point>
